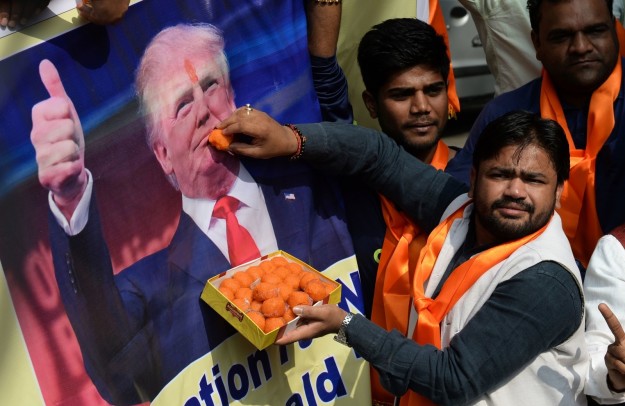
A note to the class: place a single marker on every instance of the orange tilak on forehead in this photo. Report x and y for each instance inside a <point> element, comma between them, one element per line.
<point>188,66</point>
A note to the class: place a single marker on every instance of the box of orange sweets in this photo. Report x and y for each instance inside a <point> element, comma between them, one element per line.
<point>257,297</point>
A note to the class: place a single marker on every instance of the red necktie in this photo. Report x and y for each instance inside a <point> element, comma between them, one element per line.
<point>241,245</point>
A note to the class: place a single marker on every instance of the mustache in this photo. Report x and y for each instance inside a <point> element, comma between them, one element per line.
<point>511,202</point>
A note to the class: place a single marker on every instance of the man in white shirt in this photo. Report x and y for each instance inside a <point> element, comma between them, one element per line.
<point>605,283</point>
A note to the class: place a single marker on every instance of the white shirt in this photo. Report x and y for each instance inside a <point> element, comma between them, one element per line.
<point>604,283</point>
<point>253,214</point>
<point>504,29</point>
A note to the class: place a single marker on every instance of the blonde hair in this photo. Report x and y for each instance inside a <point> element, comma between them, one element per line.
<point>192,39</point>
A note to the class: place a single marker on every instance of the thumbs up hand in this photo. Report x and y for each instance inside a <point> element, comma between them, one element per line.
<point>59,143</point>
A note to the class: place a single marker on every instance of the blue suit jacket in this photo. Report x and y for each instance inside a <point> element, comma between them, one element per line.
<point>140,328</point>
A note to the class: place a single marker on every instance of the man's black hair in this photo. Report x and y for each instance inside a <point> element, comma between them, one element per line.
<point>533,6</point>
<point>522,129</point>
<point>398,44</point>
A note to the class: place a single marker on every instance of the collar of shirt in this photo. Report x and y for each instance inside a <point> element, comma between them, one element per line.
<point>244,189</point>
<point>253,215</point>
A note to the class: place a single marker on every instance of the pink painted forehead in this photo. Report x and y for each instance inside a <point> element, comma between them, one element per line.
<point>188,66</point>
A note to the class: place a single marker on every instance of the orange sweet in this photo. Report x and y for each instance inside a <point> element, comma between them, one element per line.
<point>289,315</point>
<point>255,271</point>
<point>295,268</point>
<point>270,277</point>
<point>273,307</point>
<point>257,318</point>
<point>273,323</point>
<point>329,288</point>
<point>285,290</point>
<point>299,298</point>
<point>316,290</point>
<point>282,272</point>
<point>266,266</point>
<point>242,304</point>
<point>227,292</point>
<point>306,277</point>
<point>279,261</point>
<point>231,284</point>
<point>292,281</point>
<point>220,140</point>
<point>244,293</point>
<point>244,278</point>
<point>264,291</point>
<point>256,305</point>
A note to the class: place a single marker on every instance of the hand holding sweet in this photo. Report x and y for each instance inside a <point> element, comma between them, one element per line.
<point>315,321</point>
<point>268,138</point>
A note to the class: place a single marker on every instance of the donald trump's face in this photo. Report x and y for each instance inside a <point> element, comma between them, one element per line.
<point>189,97</point>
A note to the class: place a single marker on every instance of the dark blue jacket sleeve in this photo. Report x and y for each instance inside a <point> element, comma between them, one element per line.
<point>331,88</point>
<point>97,314</point>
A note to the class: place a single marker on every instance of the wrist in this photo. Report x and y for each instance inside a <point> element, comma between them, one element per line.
<point>341,334</point>
<point>297,149</point>
<point>68,202</point>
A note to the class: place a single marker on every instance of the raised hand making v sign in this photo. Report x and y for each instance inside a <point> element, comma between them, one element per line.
<point>615,356</point>
<point>604,285</point>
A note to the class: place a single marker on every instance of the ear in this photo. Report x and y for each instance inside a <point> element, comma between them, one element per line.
<point>559,190</point>
<point>370,104</point>
<point>162,155</point>
<point>536,42</point>
<point>472,182</point>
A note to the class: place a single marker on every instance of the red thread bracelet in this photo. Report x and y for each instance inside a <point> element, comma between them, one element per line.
<point>301,140</point>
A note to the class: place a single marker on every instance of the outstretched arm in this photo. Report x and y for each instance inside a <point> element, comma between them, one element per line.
<point>348,150</point>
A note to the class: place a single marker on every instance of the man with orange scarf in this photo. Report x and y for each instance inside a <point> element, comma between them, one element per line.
<point>581,88</point>
<point>497,290</point>
<point>405,68</point>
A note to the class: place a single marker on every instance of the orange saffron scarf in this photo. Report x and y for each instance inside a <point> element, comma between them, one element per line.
<point>578,207</point>
<point>437,21</point>
<point>391,299</point>
<point>432,311</point>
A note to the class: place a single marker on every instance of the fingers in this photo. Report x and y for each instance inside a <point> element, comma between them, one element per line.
<point>614,361</point>
<point>103,11</point>
<point>315,321</point>
<point>51,79</point>
<point>268,138</point>
<point>5,13</point>
<point>613,323</point>
<point>14,12</point>
<point>59,142</point>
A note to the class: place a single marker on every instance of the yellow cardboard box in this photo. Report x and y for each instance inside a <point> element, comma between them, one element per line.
<point>239,320</point>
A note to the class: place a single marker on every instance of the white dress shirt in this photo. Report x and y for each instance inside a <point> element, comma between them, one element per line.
<point>252,215</point>
<point>504,28</point>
